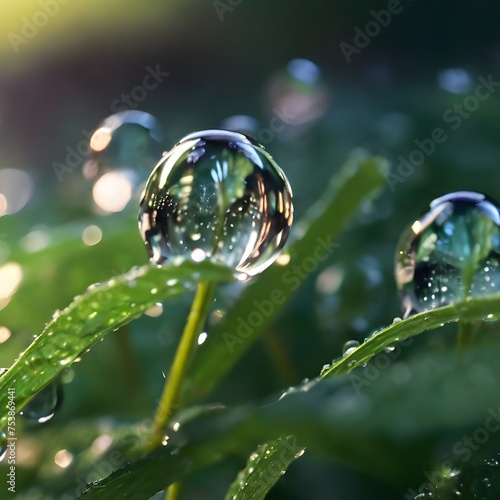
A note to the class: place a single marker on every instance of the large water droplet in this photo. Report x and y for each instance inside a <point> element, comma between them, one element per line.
<point>44,405</point>
<point>451,252</point>
<point>219,194</point>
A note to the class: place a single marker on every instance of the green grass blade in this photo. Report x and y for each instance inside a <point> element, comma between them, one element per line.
<point>334,421</point>
<point>264,469</point>
<point>468,310</point>
<point>101,309</point>
<point>359,179</point>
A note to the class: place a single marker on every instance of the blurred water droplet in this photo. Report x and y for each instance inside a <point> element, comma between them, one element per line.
<point>92,235</point>
<point>16,190</point>
<point>35,240</point>
<point>112,191</point>
<point>330,280</point>
<point>243,124</point>
<point>486,482</point>
<point>63,459</point>
<point>125,140</point>
<point>11,275</point>
<point>349,347</point>
<point>455,80</point>
<point>297,96</point>
<point>225,187</point>
<point>155,311</point>
<point>5,334</point>
<point>451,252</point>
<point>44,404</point>
<point>371,268</point>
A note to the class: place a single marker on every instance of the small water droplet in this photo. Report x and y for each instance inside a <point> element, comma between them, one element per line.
<point>324,368</point>
<point>44,404</point>
<point>155,311</point>
<point>450,252</point>
<point>3,445</point>
<point>492,462</point>
<point>349,347</point>
<point>486,482</point>
<point>224,189</point>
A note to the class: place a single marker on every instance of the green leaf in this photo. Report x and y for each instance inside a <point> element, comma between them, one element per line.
<point>383,431</point>
<point>101,309</point>
<point>66,260</point>
<point>360,178</point>
<point>468,310</point>
<point>264,469</point>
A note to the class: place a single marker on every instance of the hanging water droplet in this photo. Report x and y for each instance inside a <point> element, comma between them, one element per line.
<point>349,346</point>
<point>43,406</point>
<point>451,252</point>
<point>224,189</point>
<point>3,445</point>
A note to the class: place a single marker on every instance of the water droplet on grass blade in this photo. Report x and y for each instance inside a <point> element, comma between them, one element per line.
<point>3,445</point>
<point>219,195</point>
<point>44,404</point>
<point>349,347</point>
<point>451,252</point>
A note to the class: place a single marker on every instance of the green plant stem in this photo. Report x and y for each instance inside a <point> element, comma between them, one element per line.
<point>466,332</point>
<point>280,356</point>
<point>173,492</point>
<point>126,356</point>
<point>171,392</point>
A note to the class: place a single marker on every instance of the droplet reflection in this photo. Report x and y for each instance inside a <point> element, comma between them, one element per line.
<point>44,404</point>
<point>451,252</point>
<point>218,195</point>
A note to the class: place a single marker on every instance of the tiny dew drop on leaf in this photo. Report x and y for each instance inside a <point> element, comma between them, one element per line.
<point>450,253</point>
<point>218,195</point>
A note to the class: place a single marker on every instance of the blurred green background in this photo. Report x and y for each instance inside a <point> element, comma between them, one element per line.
<point>280,64</point>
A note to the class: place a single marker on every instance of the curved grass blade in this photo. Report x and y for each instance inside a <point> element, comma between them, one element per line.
<point>101,309</point>
<point>264,469</point>
<point>468,310</point>
<point>360,178</point>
